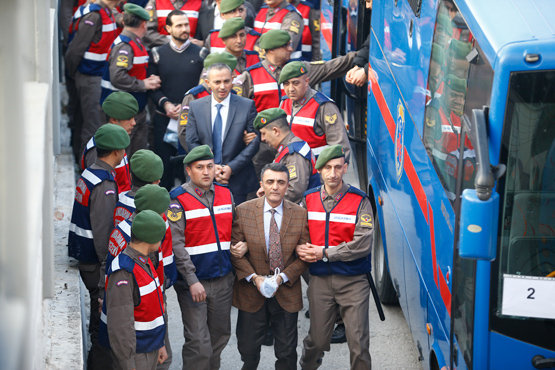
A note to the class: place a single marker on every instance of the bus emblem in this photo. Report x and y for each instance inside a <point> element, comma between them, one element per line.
<point>399,140</point>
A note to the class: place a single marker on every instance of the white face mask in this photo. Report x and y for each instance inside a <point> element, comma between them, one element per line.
<point>269,285</point>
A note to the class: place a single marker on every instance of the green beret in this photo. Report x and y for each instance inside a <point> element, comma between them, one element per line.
<point>146,165</point>
<point>455,83</point>
<point>136,10</point>
<point>231,26</point>
<point>437,54</point>
<point>445,21</point>
<point>266,116</point>
<point>292,70</point>
<point>224,58</point>
<point>331,152</point>
<point>200,153</point>
<point>120,105</point>
<point>152,197</point>
<point>228,5</point>
<point>149,227</point>
<point>459,49</point>
<point>274,39</point>
<point>111,137</point>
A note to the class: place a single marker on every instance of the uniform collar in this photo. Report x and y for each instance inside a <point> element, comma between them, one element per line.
<point>191,187</point>
<point>336,196</point>
<point>309,94</point>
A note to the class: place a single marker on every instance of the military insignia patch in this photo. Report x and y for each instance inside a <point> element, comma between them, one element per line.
<point>366,220</point>
<point>316,25</point>
<point>175,215</point>
<point>430,122</point>
<point>331,119</point>
<point>317,62</point>
<point>122,61</point>
<point>109,192</point>
<point>294,26</point>
<point>142,259</point>
<point>238,90</point>
<point>184,118</point>
<point>122,282</point>
<point>292,172</point>
<point>199,193</point>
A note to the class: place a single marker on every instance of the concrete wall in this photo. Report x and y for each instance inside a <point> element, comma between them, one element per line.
<point>29,109</point>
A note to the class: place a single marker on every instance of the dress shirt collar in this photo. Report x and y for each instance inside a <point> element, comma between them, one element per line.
<point>183,47</point>
<point>224,102</point>
<point>268,207</point>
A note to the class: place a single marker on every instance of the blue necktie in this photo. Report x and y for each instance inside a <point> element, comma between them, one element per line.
<point>217,136</point>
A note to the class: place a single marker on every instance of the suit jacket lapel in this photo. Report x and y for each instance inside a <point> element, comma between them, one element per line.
<point>260,223</point>
<point>285,220</point>
<point>208,115</point>
<point>230,114</point>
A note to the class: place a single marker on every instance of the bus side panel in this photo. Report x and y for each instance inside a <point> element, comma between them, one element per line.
<point>424,212</point>
<point>417,302</point>
<point>503,352</point>
<point>326,38</point>
<point>379,140</point>
<point>439,339</point>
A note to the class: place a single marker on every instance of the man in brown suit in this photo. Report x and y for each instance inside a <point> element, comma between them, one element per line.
<point>269,229</point>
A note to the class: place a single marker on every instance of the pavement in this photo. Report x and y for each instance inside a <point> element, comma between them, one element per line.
<point>391,344</point>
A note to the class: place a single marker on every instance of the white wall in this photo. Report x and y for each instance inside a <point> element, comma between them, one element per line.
<point>26,167</point>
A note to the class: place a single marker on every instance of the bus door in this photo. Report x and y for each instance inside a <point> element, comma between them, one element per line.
<point>455,87</point>
<point>522,317</point>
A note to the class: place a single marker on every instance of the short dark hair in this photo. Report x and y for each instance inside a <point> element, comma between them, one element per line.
<point>131,20</point>
<point>280,123</point>
<point>276,167</point>
<point>134,239</point>
<point>172,13</point>
<point>103,153</point>
<point>136,181</point>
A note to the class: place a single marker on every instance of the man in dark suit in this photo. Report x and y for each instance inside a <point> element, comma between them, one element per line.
<point>219,120</point>
<point>268,229</point>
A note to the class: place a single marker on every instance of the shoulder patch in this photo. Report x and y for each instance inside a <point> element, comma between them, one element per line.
<point>366,220</point>
<point>238,90</point>
<point>294,27</point>
<point>122,282</point>
<point>316,25</point>
<point>430,122</point>
<point>175,215</point>
<point>184,118</point>
<point>122,61</point>
<point>331,119</point>
<point>121,51</point>
<point>109,192</point>
<point>292,171</point>
<point>90,23</point>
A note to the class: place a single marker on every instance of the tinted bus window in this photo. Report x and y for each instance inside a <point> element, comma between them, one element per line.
<point>449,79</point>
<point>527,225</point>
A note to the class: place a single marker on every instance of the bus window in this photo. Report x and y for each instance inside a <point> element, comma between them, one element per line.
<point>527,226</point>
<point>447,95</point>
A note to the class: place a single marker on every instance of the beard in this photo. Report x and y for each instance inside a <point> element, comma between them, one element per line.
<point>182,37</point>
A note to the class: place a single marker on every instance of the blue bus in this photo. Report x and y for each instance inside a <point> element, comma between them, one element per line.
<point>458,150</point>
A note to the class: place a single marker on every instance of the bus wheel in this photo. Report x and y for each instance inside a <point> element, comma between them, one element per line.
<point>384,286</point>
